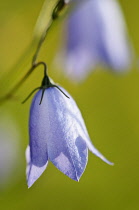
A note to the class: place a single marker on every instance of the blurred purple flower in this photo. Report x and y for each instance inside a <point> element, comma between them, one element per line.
<point>57,133</point>
<point>96,33</point>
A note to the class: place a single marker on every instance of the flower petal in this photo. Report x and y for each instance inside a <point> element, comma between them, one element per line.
<point>96,34</point>
<point>65,140</point>
<point>37,155</point>
<point>33,172</point>
<point>38,132</point>
<point>70,157</point>
<point>96,152</point>
<point>114,48</point>
<point>83,130</point>
<point>81,42</point>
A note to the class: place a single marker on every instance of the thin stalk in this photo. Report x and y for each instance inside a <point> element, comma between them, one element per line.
<point>55,15</point>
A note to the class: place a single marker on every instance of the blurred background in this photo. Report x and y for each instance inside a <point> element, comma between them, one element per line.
<point>110,106</point>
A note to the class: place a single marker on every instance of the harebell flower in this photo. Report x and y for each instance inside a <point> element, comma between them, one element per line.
<point>57,133</point>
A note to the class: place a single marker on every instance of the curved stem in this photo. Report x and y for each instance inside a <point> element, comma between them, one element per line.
<point>55,14</point>
<point>59,6</point>
<point>42,39</point>
<point>19,84</point>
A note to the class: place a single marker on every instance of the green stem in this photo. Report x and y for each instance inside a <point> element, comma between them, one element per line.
<point>17,86</point>
<point>42,39</point>
<point>55,14</point>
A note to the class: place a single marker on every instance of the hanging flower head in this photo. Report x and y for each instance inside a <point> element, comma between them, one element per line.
<point>95,34</point>
<point>58,134</point>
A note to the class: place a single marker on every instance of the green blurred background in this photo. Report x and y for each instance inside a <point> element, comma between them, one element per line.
<point>109,104</point>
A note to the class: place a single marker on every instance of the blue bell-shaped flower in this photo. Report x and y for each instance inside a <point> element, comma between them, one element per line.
<point>58,134</point>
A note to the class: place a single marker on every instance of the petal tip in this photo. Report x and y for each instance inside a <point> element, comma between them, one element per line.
<point>111,163</point>
<point>30,185</point>
<point>76,179</point>
<point>34,173</point>
<point>106,161</point>
<point>30,182</point>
